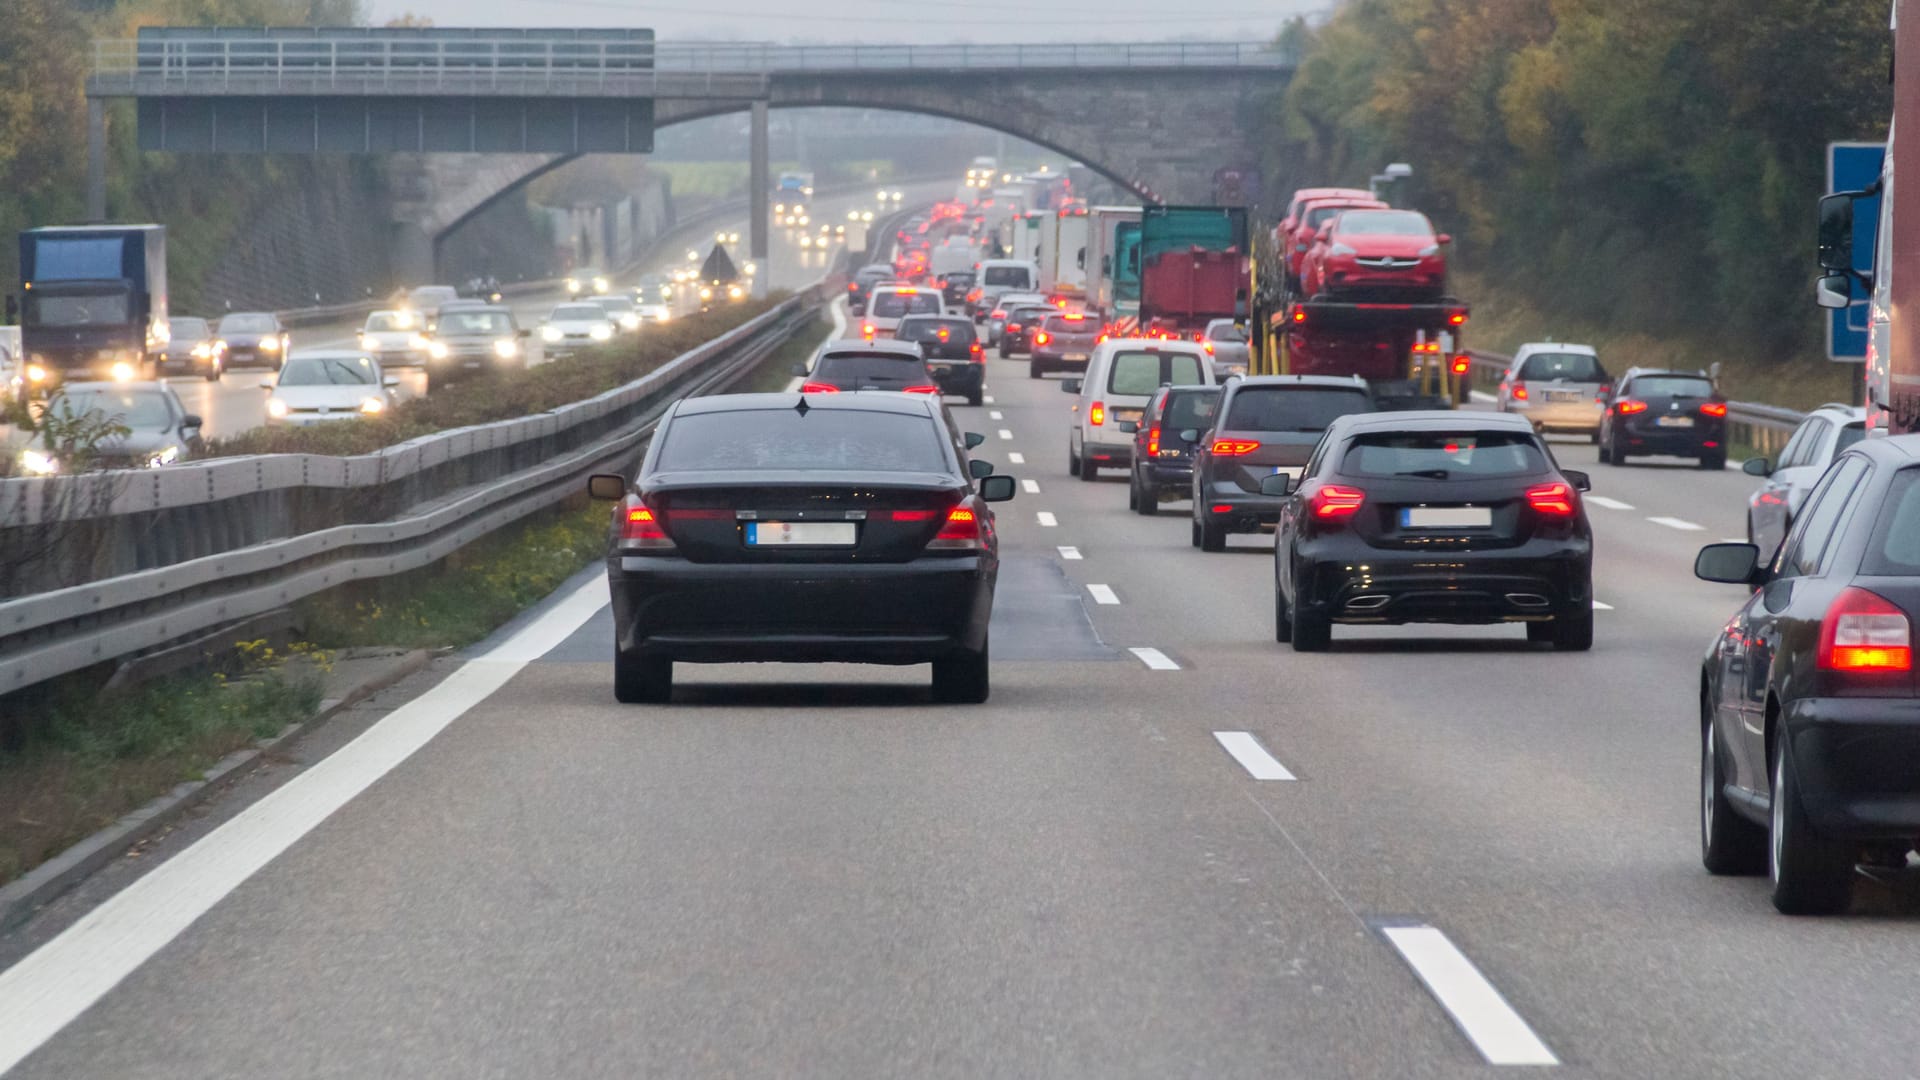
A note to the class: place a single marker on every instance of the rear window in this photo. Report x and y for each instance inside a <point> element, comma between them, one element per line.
<point>869,366</point>
<point>892,305</point>
<point>475,322</point>
<point>1139,373</point>
<point>946,331</point>
<point>1673,386</point>
<point>1191,410</point>
<point>1028,313</point>
<point>579,313</point>
<point>1895,550</point>
<point>761,439</point>
<point>960,279</point>
<point>1226,331</point>
<point>1015,276</point>
<point>1069,324</point>
<point>189,328</point>
<point>1850,434</point>
<point>248,324</point>
<point>1286,408</point>
<point>1444,455</point>
<point>1573,367</point>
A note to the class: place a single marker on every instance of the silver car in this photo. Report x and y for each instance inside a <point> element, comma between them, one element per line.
<point>1226,342</point>
<point>997,315</point>
<point>1819,439</point>
<point>1557,387</point>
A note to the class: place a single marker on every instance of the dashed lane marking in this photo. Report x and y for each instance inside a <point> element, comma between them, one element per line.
<point>1482,396</point>
<point>1598,606</point>
<point>1103,594</point>
<point>995,415</point>
<point>1492,1025</point>
<point>1677,523</point>
<point>986,399</point>
<point>1005,434</point>
<point>1154,659</point>
<point>1070,553</point>
<point>1611,504</point>
<point>1252,756</point>
<point>1016,457</point>
<point>1045,519</point>
<point>1032,486</point>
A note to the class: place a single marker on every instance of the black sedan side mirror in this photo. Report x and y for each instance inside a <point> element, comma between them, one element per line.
<point>1729,564</point>
<point>1757,466</point>
<point>1129,426</point>
<point>607,486</point>
<point>996,488</point>
<point>190,421</point>
<point>974,439</point>
<point>1276,484</point>
<point>978,469</point>
<point>1070,386</point>
<point>1580,481</point>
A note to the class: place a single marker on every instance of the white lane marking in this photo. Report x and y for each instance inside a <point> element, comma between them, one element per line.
<point>1154,659</point>
<point>838,310</point>
<point>63,978</point>
<point>986,399</point>
<point>1677,523</point>
<point>1103,594</point>
<point>1482,396</point>
<point>1252,756</point>
<point>1070,553</point>
<point>1032,487</point>
<point>1016,458</point>
<point>1494,1028</point>
<point>1735,540</point>
<point>1005,434</point>
<point>995,415</point>
<point>1611,504</point>
<point>1598,606</point>
<point>1045,519</point>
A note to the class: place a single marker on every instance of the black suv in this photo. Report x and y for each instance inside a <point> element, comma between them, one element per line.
<point>1265,426</point>
<point>1433,516</point>
<point>1022,321</point>
<point>1164,438</point>
<point>1665,412</point>
<point>860,365</point>
<point>952,348</point>
<point>1809,709</point>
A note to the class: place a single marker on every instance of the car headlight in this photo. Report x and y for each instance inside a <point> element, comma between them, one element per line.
<point>202,351</point>
<point>662,317</point>
<point>419,342</point>
<point>367,342</point>
<point>866,215</point>
<point>270,344</point>
<point>1430,249</point>
<point>372,405</point>
<point>750,269</point>
<point>630,321</point>
<point>600,332</point>
<point>438,350</point>
<point>805,220</point>
<point>36,373</point>
<point>735,292</point>
<point>806,241</point>
<point>122,372</point>
<point>39,464</point>
<point>1342,249</point>
<point>403,320</point>
<point>706,293</point>
<point>165,457</point>
<point>573,285</point>
<point>551,333</point>
<point>779,208</point>
<point>600,284</point>
<point>276,408</point>
<point>506,348</point>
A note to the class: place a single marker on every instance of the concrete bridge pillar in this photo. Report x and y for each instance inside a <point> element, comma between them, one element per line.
<point>759,183</point>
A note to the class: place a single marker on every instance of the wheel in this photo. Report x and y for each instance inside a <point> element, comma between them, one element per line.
<point>1811,874</point>
<point>1605,457</point>
<point>961,679</point>
<point>1005,353</point>
<point>1073,461</point>
<point>1715,462</point>
<point>1212,537</point>
<point>1729,843</point>
<point>1196,534</point>
<point>642,680</point>
<point>1570,633</point>
<point>213,371</point>
<point>1133,492</point>
<point>1145,500</point>
<point>1088,470</point>
<point>1310,633</point>
<point>1594,436</point>
<point>1282,618</point>
<point>1618,455</point>
<point>973,397</point>
<point>1034,370</point>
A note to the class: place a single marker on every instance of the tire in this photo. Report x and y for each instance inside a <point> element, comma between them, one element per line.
<point>1811,874</point>
<point>1005,353</point>
<point>213,372</point>
<point>1145,500</point>
<point>1606,458</point>
<point>1310,633</point>
<point>1713,462</point>
<point>1282,618</point>
<point>1034,370</point>
<point>1572,633</point>
<point>642,680</point>
<point>973,397</point>
<point>1618,454</point>
<point>1133,492</point>
<point>1729,843</point>
<point>1196,534</point>
<point>962,679</point>
<point>1073,461</point>
<point>1212,538</point>
<point>1088,470</point>
<point>1594,437</point>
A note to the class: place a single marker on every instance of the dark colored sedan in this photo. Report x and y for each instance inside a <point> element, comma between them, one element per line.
<point>1061,342</point>
<point>782,527</point>
<point>1809,706</point>
<point>1445,517</point>
<point>1265,426</point>
<point>1022,322</point>
<point>952,348</point>
<point>955,287</point>
<point>852,366</point>
<point>862,285</point>
<point>1665,412</point>
<point>1164,440</point>
<point>193,347</point>
<point>254,337</point>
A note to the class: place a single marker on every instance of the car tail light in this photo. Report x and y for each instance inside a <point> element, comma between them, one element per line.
<point>642,531</point>
<point>1043,337</point>
<point>960,533</point>
<point>1714,408</point>
<point>1100,339</point>
<point>1013,327</point>
<point>1300,315</point>
<point>922,389</point>
<point>974,349</point>
<point>998,314</point>
<point>853,286</point>
<point>1209,347</point>
<point>819,388</point>
<point>1153,441</point>
<point>1461,363</point>
<point>1864,631</point>
<point>1552,500</point>
<point>1234,447</point>
<point>1456,317</point>
<point>1331,501</point>
<point>1629,407</point>
<point>1519,392</point>
<point>866,329</point>
<point>1098,414</point>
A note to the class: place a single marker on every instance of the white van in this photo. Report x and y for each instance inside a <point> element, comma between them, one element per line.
<point>888,304</point>
<point>1121,378</point>
<point>1008,275</point>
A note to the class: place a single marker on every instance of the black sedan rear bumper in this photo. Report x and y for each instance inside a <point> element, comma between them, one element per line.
<point>1858,764</point>
<point>1237,509</point>
<point>1683,442</point>
<point>1351,581</point>
<point>879,613</point>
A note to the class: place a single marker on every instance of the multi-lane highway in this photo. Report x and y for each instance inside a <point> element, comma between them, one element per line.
<point>1166,847</point>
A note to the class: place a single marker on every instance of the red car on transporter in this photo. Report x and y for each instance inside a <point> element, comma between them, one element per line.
<point>1315,213</point>
<point>1382,254</point>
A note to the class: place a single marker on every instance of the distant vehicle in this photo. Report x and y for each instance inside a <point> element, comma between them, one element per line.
<point>1807,695</point>
<point>982,173</point>
<point>854,366</point>
<point>1313,215</point>
<point>161,431</point>
<point>1825,434</point>
<point>1665,412</point>
<point>1195,266</point>
<point>793,192</point>
<point>1557,387</point>
<point>1003,304</point>
<point>1121,378</point>
<point>193,348</point>
<point>954,288</point>
<point>575,326</point>
<point>625,313</point>
<point>1377,255</point>
<point>320,386</point>
<point>1432,516</point>
<point>394,337</point>
<point>721,542</point>
<point>92,303</point>
<point>1022,321</point>
<point>1176,419</point>
<point>254,337</point>
<point>863,282</point>
<point>1266,425</point>
<point>1060,341</point>
<point>427,300</point>
<point>587,281</point>
<point>890,303</point>
<point>472,342</point>
<point>1226,341</point>
<point>953,352</point>
<point>998,277</point>
<point>653,288</point>
<point>654,312</point>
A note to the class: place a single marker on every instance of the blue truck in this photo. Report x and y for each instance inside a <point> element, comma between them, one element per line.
<point>92,303</point>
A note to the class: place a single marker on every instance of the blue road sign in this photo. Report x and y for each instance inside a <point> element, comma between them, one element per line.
<point>1854,166</point>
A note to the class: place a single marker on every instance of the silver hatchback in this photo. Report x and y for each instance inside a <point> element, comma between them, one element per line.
<point>1558,388</point>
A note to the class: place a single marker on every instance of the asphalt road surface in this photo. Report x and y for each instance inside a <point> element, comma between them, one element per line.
<point>1166,847</point>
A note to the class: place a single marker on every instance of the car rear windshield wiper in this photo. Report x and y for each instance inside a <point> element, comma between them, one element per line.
<point>1426,474</point>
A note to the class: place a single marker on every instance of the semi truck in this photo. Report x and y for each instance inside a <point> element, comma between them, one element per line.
<point>1113,266</point>
<point>92,303</point>
<point>1195,267</point>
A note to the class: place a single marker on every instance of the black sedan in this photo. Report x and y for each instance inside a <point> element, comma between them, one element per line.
<point>1809,709</point>
<point>254,337</point>
<point>804,528</point>
<point>952,348</point>
<point>1442,517</point>
<point>1665,412</point>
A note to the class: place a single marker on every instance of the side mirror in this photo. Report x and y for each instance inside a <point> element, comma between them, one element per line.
<point>974,439</point>
<point>191,420</point>
<point>1836,232</point>
<point>1443,238</point>
<point>1276,484</point>
<point>1729,564</point>
<point>390,381</point>
<point>979,469</point>
<point>1757,466</point>
<point>1833,292</point>
<point>1129,426</point>
<point>1070,386</point>
<point>1190,435</point>
<point>996,488</point>
<point>1580,481</point>
<point>606,486</point>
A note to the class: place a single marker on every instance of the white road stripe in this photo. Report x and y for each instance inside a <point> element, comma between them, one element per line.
<point>1598,606</point>
<point>1070,553</point>
<point>1735,540</point>
<point>1611,504</point>
<point>988,400</point>
<point>1005,434</point>
<point>995,415</point>
<point>1045,519</point>
<point>1677,523</point>
<point>1103,594</point>
<point>1482,396</point>
<point>1016,458</point>
<point>1494,1028</point>
<point>63,978</point>
<point>1252,756</point>
<point>1032,487</point>
<point>1154,659</point>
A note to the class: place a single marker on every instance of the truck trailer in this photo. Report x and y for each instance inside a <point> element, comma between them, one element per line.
<point>1195,267</point>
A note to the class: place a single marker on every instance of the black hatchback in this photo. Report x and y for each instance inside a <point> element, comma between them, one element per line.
<point>1665,412</point>
<point>1164,440</point>
<point>1442,517</point>
<point>850,366</point>
<point>1809,701</point>
<point>952,348</point>
<point>1265,425</point>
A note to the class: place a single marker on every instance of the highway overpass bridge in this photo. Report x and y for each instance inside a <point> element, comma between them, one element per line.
<point>1156,118</point>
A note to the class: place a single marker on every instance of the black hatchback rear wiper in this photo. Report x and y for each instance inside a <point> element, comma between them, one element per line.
<point>1427,474</point>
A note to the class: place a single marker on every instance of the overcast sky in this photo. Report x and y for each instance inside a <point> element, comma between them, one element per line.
<point>1005,21</point>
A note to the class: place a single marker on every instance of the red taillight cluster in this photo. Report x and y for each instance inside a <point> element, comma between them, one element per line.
<point>1629,407</point>
<point>974,349</point>
<point>1552,500</point>
<point>922,389</point>
<point>1461,363</point>
<point>1332,501</point>
<point>642,531</point>
<point>866,329</point>
<point>960,533</point>
<point>1098,414</point>
<point>1714,408</point>
<point>1234,447</point>
<point>1153,441</point>
<point>1042,338</point>
<point>1865,632</point>
<point>819,388</point>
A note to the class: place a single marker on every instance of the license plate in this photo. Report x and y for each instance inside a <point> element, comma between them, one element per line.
<point>1074,356</point>
<point>473,363</point>
<point>800,534</point>
<point>1446,517</point>
<point>1564,395</point>
<point>1674,421</point>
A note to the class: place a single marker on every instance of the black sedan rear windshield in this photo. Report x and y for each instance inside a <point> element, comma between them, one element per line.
<point>1191,409</point>
<point>941,331</point>
<point>1443,455</point>
<point>1673,386</point>
<point>760,439</point>
<point>1287,408</point>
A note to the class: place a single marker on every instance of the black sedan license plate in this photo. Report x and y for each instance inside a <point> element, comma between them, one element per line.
<point>801,534</point>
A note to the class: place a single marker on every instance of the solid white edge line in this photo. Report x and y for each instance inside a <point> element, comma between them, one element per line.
<point>1154,659</point>
<point>1005,434</point>
<point>1016,458</point>
<point>1678,523</point>
<point>60,980</point>
<point>1610,504</point>
<point>1492,1025</point>
<point>1070,553</point>
<point>1103,594</point>
<point>1252,757</point>
<point>1045,519</point>
<point>1032,487</point>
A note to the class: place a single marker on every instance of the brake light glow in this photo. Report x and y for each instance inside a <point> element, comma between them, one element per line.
<point>998,313</point>
<point>1209,347</point>
<point>922,389</point>
<point>1553,500</point>
<point>1519,392</point>
<point>1234,447</point>
<point>1074,316</point>
<point>853,286</point>
<point>819,388</point>
<point>1042,338</point>
<point>1300,315</point>
<point>1461,363</point>
<point>1153,441</point>
<point>1333,501</point>
<point>974,349</point>
<point>1456,318</point>
<point>1100,339</point>
<point>960,533</point>
<point>866,329</point>
<point>1714,408</point>
<point>1098,414</point>
<point>643,531</point>
<point>1864,631</point>
<point>1630,406</point>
